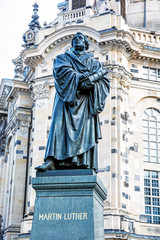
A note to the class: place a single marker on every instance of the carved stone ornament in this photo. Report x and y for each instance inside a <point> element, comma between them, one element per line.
<point>123,77</point>
<point>20,121</point>
<point>6,90</point>
<point>40,103</point>
<point>40,91</point>
<point>19,68</point>
<point>125,82</point>
<point>34,25</point>
<point>29,37</point>
<point>3,122</point>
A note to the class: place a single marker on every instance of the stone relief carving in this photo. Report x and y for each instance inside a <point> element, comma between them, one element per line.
<point>40,103</point>
<point>19,68</point>
<point>39,93</point>
<point>21,122</point>
<point>3,122</point>
<point>34,25</point>
<point>11,110</point>
<point>43,63</point>
<point>123,77</point>
<point>5,92</point>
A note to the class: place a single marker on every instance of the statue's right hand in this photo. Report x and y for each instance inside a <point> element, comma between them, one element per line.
<point>84,76</point>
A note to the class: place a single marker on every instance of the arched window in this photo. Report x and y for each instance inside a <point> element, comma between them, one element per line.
<point>78,4</point>
<point>151,135</point>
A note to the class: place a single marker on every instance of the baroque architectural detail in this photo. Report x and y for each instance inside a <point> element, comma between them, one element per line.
<point>32,62</point>
<point>40,91</point>
<point>19,67</point>
<point>34,24</point>
<point>122,76</point>
<point>6,90</point>
<point>3,123</point>
<point>29,37</point>
<point>20,121</point>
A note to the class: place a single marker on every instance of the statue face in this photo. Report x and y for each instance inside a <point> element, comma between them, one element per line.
<point>79,42</point>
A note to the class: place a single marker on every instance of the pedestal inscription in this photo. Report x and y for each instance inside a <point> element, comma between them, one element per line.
<point>63,216</point>
<point>68,207</point>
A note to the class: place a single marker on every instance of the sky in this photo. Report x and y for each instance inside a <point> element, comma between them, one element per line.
<point>15,15</point>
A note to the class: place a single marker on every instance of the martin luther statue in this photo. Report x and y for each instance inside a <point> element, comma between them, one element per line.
<point>81,89</point>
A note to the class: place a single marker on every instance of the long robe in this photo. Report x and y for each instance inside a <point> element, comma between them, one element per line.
<point>75,128</point>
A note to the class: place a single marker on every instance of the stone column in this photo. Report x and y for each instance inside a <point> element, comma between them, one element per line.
<point>120,79</point>
<point>70,5</point>
<point>18,130</point>
<point>40,95</point>
<point>2,181</point>
<point>3,120</point>
<point>7,181</point>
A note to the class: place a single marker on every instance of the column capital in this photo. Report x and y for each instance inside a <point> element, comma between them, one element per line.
<point>40,91</point>
<point>20,120</point>
<point>122,76</point>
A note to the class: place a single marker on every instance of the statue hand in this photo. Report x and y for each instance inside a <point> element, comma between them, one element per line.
<point>86,84</point>
<point>84,76</point>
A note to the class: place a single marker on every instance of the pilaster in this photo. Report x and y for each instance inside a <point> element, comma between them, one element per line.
<point>120,87</point>
<point>2,182</point>
<point>40,96</point>
<point>16,157</point>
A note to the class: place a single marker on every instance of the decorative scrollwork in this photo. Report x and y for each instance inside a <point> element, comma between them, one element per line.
<point>40,91</point>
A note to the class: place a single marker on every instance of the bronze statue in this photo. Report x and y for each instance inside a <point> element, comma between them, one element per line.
<point>81,89</point>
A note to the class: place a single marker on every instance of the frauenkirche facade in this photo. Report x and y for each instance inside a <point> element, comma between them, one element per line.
<point>125,37</point>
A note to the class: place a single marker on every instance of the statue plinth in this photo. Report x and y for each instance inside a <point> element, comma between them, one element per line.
<point>69,205</point>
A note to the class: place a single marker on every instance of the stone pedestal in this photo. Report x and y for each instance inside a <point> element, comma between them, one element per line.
<point>68,206</point>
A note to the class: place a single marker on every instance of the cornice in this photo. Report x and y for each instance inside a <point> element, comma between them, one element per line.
<point>4,94</point>
<point>33,61</point>
<point>5,88</point>
<point>145,56</point>
<point>20,120</point>
<point>18,86</point>
<point>113,39</point>
<point>60,35</point>
<point>122,76</point>
<point>147,85</point>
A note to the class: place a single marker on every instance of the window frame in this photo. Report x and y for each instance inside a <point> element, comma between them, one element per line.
<point>149,75</point>
<point>76,4</point>
<point>152,202</point>
<point>151,135</point>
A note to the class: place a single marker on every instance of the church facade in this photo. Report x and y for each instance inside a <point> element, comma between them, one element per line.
<point>125,37</point>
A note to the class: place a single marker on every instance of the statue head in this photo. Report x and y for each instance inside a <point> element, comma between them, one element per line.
<point>80,42</point>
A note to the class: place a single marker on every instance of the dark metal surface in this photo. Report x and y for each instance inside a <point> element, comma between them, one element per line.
<point>81,90</point>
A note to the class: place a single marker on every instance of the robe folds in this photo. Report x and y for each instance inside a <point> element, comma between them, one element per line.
<point>75,128</point>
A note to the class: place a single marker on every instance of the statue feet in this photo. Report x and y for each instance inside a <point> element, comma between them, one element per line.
<point>48,165</point>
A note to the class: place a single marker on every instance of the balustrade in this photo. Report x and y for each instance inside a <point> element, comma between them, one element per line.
<point>79,13</point>
<point>146,37</point>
